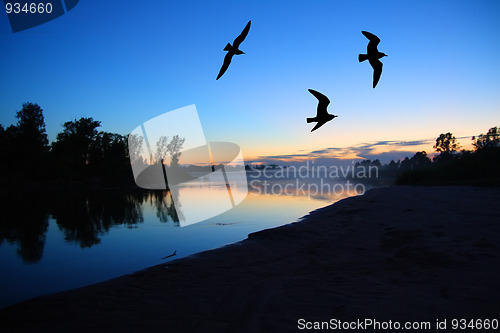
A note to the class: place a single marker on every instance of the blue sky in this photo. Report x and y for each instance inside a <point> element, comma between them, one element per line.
<point>124,62</point>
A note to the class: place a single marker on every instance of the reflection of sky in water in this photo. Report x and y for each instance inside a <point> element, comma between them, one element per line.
<point>126,248</point>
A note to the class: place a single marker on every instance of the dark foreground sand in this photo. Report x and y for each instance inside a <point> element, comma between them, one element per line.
<point>400,254</point>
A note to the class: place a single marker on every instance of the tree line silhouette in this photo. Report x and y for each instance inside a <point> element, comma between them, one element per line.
<point>83,154</point>
<point>80,153</point>
<point>451,166</point>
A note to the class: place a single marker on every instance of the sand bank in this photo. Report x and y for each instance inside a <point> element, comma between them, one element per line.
<point>401,254</point>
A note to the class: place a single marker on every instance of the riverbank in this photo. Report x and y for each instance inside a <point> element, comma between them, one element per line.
<point>397,253</point>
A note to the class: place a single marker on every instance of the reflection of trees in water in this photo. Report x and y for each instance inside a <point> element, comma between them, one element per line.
<point>165,209</point>
<point>25,222</point>
<point>84,216</point>
<point>81,216</point>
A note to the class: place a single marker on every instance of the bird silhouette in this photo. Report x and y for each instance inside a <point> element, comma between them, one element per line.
<point>373,56</point>
<point>322,115</point>
<point>233,49</point>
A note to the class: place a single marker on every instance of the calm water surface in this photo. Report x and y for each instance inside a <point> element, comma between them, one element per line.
<point>54,242</point>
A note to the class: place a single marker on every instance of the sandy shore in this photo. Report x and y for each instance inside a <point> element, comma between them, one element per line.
<point>399,254</point>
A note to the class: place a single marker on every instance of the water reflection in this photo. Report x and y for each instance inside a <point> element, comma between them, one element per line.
<point>81,216</point>
<point>25,222</point>
<point>165,208</point>
<point>134,230</point>
<point>317,189</point>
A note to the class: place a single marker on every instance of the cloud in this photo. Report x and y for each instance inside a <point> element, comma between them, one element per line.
<point>393,143</point>
<point>323,151</point>
<point>285,157</point>
<point>385,151</point>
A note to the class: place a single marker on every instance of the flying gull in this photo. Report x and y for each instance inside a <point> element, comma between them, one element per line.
<point>233,49</point>
<point>322,115</point>
<point>373,56</point>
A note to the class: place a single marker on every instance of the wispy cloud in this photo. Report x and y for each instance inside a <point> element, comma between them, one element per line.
<point>382,150</point>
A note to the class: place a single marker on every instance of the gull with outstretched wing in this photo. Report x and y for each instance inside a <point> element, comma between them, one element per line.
<point>322,115</point>
<point>373,56</point>
<point>233,49</point>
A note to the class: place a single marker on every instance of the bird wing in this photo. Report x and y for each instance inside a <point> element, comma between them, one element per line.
<point>377,70</point>
<point>318,125</point>
<point>374,40</point>
<point>323,102</point>
<point>242,36</point>
<point>371,37</point>
<point>225,65</point>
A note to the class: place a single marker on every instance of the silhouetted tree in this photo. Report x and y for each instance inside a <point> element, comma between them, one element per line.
<point>393,165</point>
<point>481,167</point>
<point>135,143</point>
<point>368,163</point>
<point>420,160</point>
<point>108,154</point>
<point>446,143</point>
<point>405,164</point>
<point>174,148</point>
<point>31,127</point>
<point>488,140</point>
<point>161,149</point>
<point>9,163</point>
<point>25,145</point>
<point>364,163</point>
<point>136,152</point>
<point>74,142</point>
